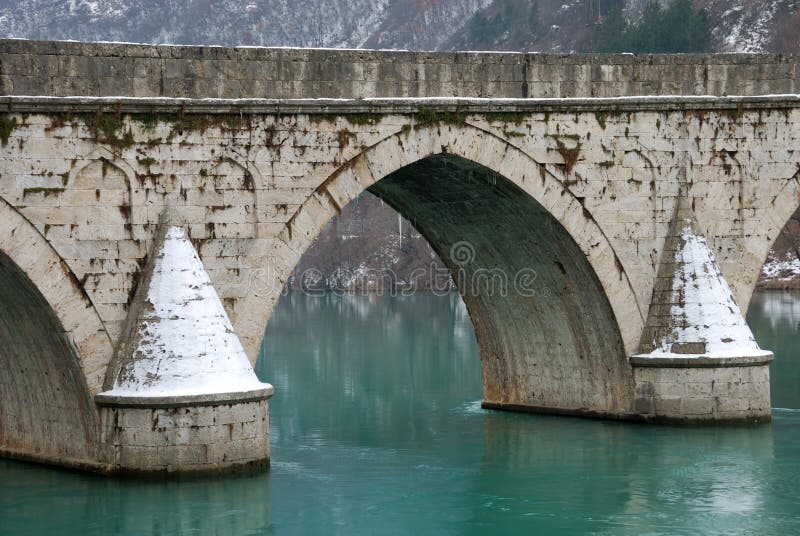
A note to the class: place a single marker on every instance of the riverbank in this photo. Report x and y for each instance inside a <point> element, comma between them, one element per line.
<point>780,273</point>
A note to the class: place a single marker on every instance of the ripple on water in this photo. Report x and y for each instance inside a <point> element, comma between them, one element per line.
<point>472,407</point>
<point>787,412</point>
<point>298,470</point>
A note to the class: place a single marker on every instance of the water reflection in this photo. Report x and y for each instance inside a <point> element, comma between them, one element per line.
<point>377,429</point>
<point>774,317</point>
<point>557,474</point>
<point>353,367</point>
<point>40,500</point>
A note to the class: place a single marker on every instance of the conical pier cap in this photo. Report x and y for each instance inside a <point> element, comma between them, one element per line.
<point>180,342</point>
<point>693,312</point>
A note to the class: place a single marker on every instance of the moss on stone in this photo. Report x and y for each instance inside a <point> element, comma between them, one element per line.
<point>570,156</point>
<point>46,191</point>
<point>601,119</point>
<point>425,116</point>
<point>148,121</point>
<point>358,119</point>
<point>513,134</point>
<point>362,119</point>
<point>201,122</point>
<point>505,117</point>
<point>105,127</point>
<point>7,126</point>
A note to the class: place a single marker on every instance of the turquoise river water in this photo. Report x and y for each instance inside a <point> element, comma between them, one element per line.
<point>377,429</point>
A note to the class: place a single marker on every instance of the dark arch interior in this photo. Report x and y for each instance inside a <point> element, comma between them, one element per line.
<point>549,339</point>
<point>46,410</point>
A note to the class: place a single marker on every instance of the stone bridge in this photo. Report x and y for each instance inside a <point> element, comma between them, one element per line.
<point>605,219</point>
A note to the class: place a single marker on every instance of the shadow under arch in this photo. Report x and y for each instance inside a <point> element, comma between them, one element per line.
<point>553,345</point>
<point>547,335</point>
<point>773,311</point>
<point>53,350</point>
<point>782,261</point>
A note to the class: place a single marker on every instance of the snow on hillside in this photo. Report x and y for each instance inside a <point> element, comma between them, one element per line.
<point>306,23</point>
<point>559,25</point>
<point>745,26</point>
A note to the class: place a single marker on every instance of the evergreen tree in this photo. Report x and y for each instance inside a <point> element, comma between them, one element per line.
<point>679,28</point>
<point>611,34</point>
<point>502,21</point>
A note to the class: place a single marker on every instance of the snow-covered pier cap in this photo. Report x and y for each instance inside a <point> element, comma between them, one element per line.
<point>695,323</point>
<point>183,395</point>
<point>182,343</point>
<point>693,315</point>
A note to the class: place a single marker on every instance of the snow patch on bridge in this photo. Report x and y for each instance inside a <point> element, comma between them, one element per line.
<point>703,308</point>
<point>185,343</point>
<point>693,313</point>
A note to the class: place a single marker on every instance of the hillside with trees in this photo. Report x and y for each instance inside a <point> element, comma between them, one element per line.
<point>678,28</point>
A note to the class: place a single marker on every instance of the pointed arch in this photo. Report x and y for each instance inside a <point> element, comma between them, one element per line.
<point>102,154</point>
<point>32,253</point>
<point>231,173</point>
<point>111,178</point>
<point>412,145</point>
<point>55,350</point>
<point>259,183</point>
<point>783,205</point>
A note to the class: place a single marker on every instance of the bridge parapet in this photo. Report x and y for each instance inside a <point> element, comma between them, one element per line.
<point>134,70</point>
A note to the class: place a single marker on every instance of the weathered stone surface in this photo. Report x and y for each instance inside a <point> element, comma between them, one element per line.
<point>545,328</point>
<point>612,191</point>
<point>179,359</point>
<point>694,323</point>
<point>735,394</point>
<point>187,439</point>
<point>54,351</point>
<point>178,341</point>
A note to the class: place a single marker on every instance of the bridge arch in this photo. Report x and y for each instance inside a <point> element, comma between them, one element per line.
<point>784,200</point>
<point>54,349</point>
<point>101,154</point>
<point>515,215</point>
<point>232,173</point>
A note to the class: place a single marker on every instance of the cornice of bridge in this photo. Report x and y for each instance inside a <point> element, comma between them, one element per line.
<point>392,106</point>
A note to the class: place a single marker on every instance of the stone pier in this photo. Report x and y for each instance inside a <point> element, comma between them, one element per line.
<point>182,394</point>
<point>698,361</point>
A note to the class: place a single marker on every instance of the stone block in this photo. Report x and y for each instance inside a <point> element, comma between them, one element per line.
<point>186,438</point>
<point>697,406</point>
<point>183,457</point>
<point>137,458</point>
<point>697,390</point>
<point>668,407</point>
<point>136,418</point>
